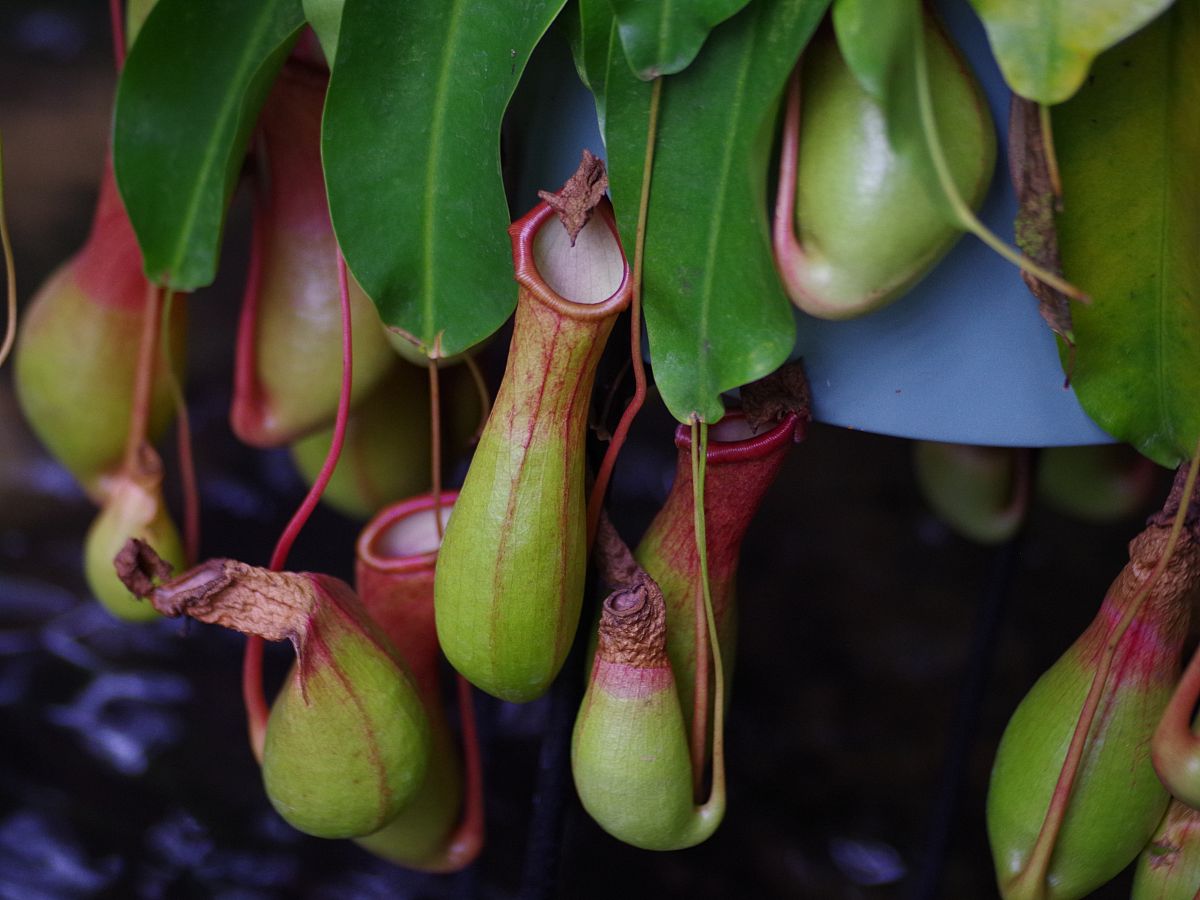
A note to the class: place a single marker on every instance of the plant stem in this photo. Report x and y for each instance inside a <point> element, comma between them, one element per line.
<point>699,744</point>
<point>604,474</point>
<point>435,444</point>
<point>183,437</point>
<point>1038,866</point>
<point>143,383</point>
<point>118,32</point>
<point>464,844</point>
<point>253,698</point>
<point>716,798</point>
<point>485,396</point>
<point>10,271</point>
<point>284,546</point>
<point>252,691</point>
<point>1052,170</point>
<point>966,217</point>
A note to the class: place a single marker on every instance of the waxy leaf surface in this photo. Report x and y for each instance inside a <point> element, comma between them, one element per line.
<point>1128,144</point>
<point>186,103</point>
<point>662,37</point>
<point>1045,47</point>
<point>715,311</point>
<point>411,144</point>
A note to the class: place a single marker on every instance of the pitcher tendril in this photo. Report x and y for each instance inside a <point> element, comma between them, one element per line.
<point>968,219</point>
<point>435,442</point>
<point>604,474</point>
<point>257,709</point>
<point>10,272</point>
<point>1047,128</point>
<point>716,797</point>
<point>183,431</point>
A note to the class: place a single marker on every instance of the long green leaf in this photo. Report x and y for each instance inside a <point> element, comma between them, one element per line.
<point>186,103</point>
<point>1128,144</point>
<point>715,311</point>
<point>1045,47</point>
<point>411,143</point>
<point>662,37</point>
<point>596,45</point>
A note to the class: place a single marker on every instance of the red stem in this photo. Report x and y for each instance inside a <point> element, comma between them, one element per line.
<point>255,701</point>
<point>435,445</point>
<point>143,385</point>
<point>118,32</point>
<point>252,692</point>
<point>300,519</point>
<point>604,475</point>
<point>187,476</point>
<point>485,396</point>
<point>465,843</point>
<point>183,438</point>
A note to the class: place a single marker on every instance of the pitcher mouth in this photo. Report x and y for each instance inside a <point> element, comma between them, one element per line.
<point>733,440</point>
<point>403,537</point>
<point>524,233</point>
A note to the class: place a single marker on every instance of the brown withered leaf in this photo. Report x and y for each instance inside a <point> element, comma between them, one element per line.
<point>577,199</point>
<point>273,605</point>
<point>1037,202</point>
<point>783,392</point>
<point>140,568</point>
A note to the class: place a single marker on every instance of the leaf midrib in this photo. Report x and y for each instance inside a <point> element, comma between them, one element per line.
<point>208,158</point>
<point>663,29</point>
<point>432,170</point>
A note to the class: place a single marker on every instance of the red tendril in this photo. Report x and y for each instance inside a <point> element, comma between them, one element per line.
<point>252,692</point>
<point>118,32</point>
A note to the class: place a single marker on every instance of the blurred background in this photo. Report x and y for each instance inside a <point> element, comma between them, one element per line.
<point>124,767</point>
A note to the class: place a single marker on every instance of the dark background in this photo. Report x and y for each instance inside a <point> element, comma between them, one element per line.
<point>124,769</point>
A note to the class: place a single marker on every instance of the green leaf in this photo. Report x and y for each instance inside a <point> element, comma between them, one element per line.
<point>325,18</point>
<point>715,310</point>
<point>186,103</point>
<point>1045,47</point>
<point>136,12</point>
<point>662,37</point>
<point>411,143</point>
<point>1128,145</point>
<point>600,60</point>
